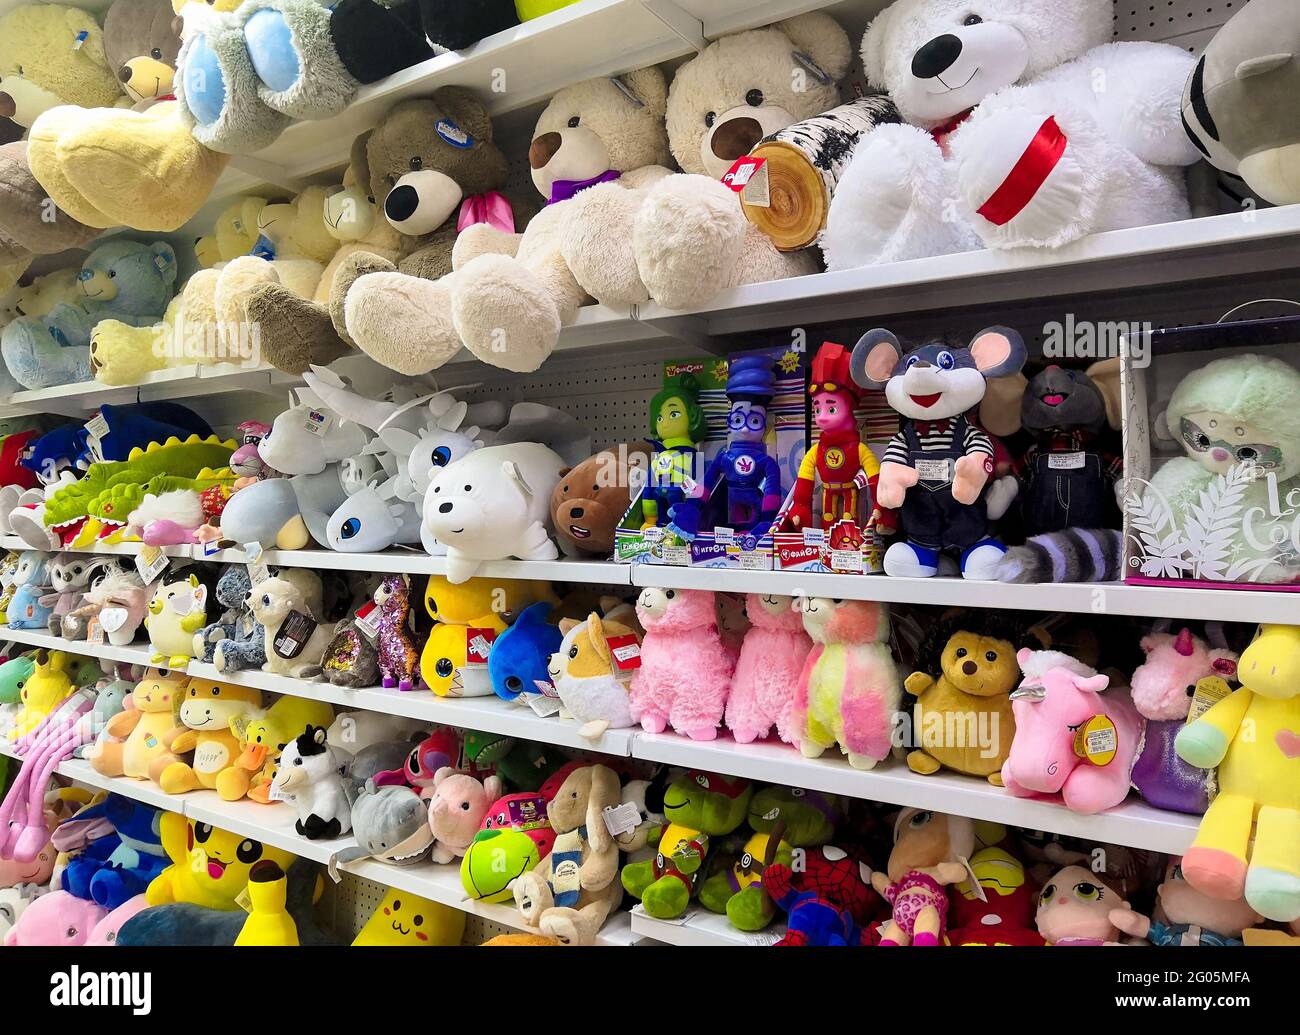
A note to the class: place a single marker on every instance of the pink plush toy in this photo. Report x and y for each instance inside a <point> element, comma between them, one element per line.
<point>56,919</point>
<point>456,810</point>
<point>685,672</point>
<point>105,932</point>
<point>15,874</point>
<point>1052,707</point>
<point>23,829</point>
<point>848,693</point>
<point>1162,686</point>
<point>733,623</point>
<point>771,658</point>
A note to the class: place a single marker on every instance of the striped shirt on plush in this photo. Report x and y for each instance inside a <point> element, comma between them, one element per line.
<point>935,436</point>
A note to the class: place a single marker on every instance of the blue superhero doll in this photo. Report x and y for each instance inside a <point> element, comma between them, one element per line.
<point>749,477</point>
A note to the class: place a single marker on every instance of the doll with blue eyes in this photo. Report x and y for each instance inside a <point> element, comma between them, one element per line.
<point>749,477</point>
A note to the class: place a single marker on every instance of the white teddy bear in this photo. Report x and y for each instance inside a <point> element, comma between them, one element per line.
<point>1027,129</point>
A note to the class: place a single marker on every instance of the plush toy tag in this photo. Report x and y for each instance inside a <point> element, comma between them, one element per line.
<point>80,39</point>
<point>478,645</point>
<point>1097,741</point>
<point>748,176</point>
<point>934,470</point>
<point>95,631</point>
<point>622,818</point>
<point>150,563</point>
<point>211,547</point>
<point>278,793</point>
<point>258,572</point>
<point>453,134</point>
<point>293,635</point>
<point>1066,461</point>
<point>814,69</point>
<point>1209,691</point>
<point>264,248</point>
<point>317,422</point>
<point>97,426</point>
<point>547,689</point>
<point>367,621</point>
<point>626,652</point>
<point>541,704</point>
<point>972,882</point>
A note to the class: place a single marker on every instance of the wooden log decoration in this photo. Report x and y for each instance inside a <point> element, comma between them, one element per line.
<point>804,163</point>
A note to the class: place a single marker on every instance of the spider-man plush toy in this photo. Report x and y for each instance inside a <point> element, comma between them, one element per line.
<point>829,901</point>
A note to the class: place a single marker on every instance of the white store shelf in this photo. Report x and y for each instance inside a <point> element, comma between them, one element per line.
<point>700,927</point>
<point>1133,823</point>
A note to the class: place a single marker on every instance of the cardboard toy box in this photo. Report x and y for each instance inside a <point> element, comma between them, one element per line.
<point>718,546</point>
<point>1230,517</point>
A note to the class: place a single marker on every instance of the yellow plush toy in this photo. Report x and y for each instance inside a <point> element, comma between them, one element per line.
<point>234,233</point>
<point>208,709</point>
<point>177,611</point>
<point>143,733</point>
<point>39,298</point>
<point>51,54</point>
<point>115,167</point>
<point>269,922</point>
<point>46,688</point>
<point>261,737</point>
<point>402,919</point>
<point>124,355</point>
<point>1253,736</point>
<point>210,867</point>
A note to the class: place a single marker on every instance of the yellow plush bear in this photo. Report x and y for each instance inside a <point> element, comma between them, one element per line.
<point>51,54</point>
<point>210,867</point>
<point>124,355</point>
<point>208,710</point>
<point>43,294</point>
<point>234,233</point>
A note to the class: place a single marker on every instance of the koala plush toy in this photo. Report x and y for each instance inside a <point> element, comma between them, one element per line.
<point>936,470</point>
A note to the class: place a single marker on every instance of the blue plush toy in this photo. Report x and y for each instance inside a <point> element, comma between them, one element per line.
<point>119,865</point>
<point>518,661</point>
<point>31,583</point>
<point>121,280</point>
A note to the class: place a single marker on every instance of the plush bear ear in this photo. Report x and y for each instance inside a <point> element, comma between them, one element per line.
<point>1000,408</point>
<point>874,358</point>
<point>873,48</point>
<point>649,87</point>
<point>819,38</point>
<point>464,109</point>
<point>1105,375</point>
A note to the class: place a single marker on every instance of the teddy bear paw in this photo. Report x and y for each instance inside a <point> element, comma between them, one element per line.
<point>688,239</point>
<point>291,48</point>
<point>505,314</point>
<point>1022,181</point>
<point>894,202</point>
<point>402,322</point>
<point>294,332</point>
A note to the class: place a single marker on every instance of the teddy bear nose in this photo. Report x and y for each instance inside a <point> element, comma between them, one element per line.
<point>936,57</point>
<point>736,137</point>
<point>401,202</point>
<point>543,149</point>
<point>444,508</point>
<point>124,74</point>
<point>576,512</point>
<point>969,668</point>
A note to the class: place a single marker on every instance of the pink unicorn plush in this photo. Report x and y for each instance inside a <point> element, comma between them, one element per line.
<point>849,691</point>
<point>1053,702</point>
<point>685,673</point>
<point>771,658</point>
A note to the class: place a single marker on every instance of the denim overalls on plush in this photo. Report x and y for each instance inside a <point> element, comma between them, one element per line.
<point>1067,490</point>
<point>930,516</point>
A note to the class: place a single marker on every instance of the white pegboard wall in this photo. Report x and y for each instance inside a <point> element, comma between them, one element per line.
<point>346,907</point>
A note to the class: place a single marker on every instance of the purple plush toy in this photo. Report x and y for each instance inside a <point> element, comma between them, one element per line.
<point>398,658</point>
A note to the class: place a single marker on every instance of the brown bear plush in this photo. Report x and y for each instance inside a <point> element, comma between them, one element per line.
<point>141,41</point>
<point>432,166</point>
<point>592,498</point>
<point>29,224</point>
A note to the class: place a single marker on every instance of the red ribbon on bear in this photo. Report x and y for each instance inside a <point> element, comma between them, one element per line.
<point>1041,156</point>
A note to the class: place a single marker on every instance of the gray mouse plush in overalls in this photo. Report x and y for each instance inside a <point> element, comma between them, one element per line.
<point>937,471</point>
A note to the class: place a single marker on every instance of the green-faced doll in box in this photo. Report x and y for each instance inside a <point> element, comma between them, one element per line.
<point>677,426</point>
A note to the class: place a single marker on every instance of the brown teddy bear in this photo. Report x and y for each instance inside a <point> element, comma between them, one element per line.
<point>28,224</point>
<point>591,499</point>
<point>141,42</point>
<point>433,168</point>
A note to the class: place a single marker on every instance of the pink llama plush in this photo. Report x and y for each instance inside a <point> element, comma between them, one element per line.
<point>685,672</point>
<point>771,658</point>
<point>1163,685</point>
<point>849,692</point>
<point>733,623</point>
<point>1058,695</point>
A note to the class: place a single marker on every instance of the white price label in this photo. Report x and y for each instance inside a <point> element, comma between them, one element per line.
<point>317,422</point>
<point>541,704</point>
<point>622,818</point>
<point>934,470</point>
<point>97,426</point>
<point>1066,461</point>
<point>150,563</point>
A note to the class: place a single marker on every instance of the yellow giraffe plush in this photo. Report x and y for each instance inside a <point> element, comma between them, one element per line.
<point>1253,736</point>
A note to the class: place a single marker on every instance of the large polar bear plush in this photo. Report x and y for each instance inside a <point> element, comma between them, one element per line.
<point>1026,128</point>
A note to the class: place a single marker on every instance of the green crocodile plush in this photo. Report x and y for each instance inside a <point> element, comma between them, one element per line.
<point>107,488</point>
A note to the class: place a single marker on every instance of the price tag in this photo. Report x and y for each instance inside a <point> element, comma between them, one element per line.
<point>94,632</point>
<point>626,651</point>
<point>97,426</point>
<point>934,470</point>
<point>211,547</point>
<point>317,422</point>
<point>1066,461</point>
<point>478,645</point>
<point>294,633</point>
<point>258,572</point>
<point>1209,692</point>
<point>1097,741</point>
<point>748,178</point>
<point>541,704</point>
<point>150,563</point>
<point>724,536</point>
<point>367,621</point>
<point>547,689</point>
<point>276,793</point>
<point>622,818</point>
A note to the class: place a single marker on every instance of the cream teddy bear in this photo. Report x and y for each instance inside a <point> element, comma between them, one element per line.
<point>1024,127</point>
